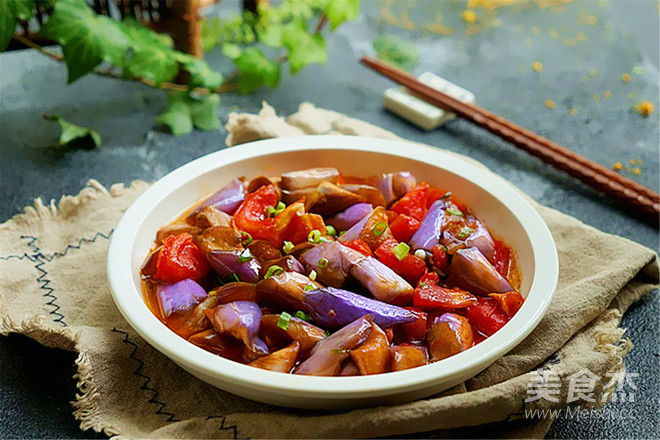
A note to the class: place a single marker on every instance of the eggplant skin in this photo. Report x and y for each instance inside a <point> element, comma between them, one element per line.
<point>471,270</point>
<point>336,308</point>
<point>383,283</point>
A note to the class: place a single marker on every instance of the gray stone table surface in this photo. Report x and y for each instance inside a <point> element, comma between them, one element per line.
<point>582,59</point>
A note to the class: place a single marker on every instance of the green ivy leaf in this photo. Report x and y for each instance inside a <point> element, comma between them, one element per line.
<point>396,51</point>
<point>142,37</point>
<point>270,35</point>
<point>153,63</point>
<point>339,11</point>
<point>255,70</point>
<point>201,75</point>
<point>185,112</point>
<point>231,50</point>
<point>86,39</point>
<point>204,112</point>
<point>302,47</point>
<point>74,134</point>
<point>10,12</point>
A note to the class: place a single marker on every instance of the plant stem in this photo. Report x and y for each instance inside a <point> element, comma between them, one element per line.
<point>323,19</point>
<point>227,86</point>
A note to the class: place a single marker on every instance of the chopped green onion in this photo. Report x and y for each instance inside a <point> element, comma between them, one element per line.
<point>246,238</point>
<point>308,288</point>
<point>302,315</point>
<point>232,278</point>
<point>379,228</point>
<point>330,230</point>
<point>327,333</point>
<point>272,271</point>
<point>455,211</point>
<point>244,256</point>
<point>314,236</point>
<point>312,275</point>
<point>400,251</point>
<point>323,263</point>
<point>465,232</point>
<point>288,247</point>
<point>283,320</point>
<point>274,211</point>
<point>324,240</point>
<point>443,247</point>
<point>341,233</point>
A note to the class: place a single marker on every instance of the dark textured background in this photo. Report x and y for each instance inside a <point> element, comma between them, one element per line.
<point>36,383</point>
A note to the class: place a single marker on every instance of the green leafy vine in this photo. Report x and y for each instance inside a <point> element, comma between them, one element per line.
<point>258,44</point>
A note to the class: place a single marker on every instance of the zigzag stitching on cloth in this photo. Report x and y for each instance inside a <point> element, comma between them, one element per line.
<point>79,244</point>
<point>49,292</point>
<point>37,257</point>
<point>42,259</point>
<point>145,386</point>
<point>226,428</point>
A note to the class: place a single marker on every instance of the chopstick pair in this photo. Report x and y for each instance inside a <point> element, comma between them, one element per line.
<point>600,178</point>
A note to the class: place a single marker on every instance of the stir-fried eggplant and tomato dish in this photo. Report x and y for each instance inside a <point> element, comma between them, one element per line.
<point>317,273</point>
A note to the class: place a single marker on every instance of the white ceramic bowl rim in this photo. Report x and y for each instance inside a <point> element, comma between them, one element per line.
<point>131,304</point>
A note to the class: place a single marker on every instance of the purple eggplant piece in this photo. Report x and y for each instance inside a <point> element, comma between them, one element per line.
<point>429,231</point>
<point>226,263</point>
<point>383,283</point>
<point>241,319</point>
<point>354,232</point>
<point>228,199</point>
<point>393,185</point>
<point>335,308</point>
<point>328,354</point>
<point>285,290</point>
<point>179,296</point>
<point>350,216</point>
<point>288,262</point>
<point>383,182</point>
<point>340,261</point>
<point>402,183</point>
<point>471,271</point>
<point>309,178</point>
<point>481,239</point>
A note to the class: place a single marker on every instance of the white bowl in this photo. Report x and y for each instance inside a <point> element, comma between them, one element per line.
<point>504,210</point>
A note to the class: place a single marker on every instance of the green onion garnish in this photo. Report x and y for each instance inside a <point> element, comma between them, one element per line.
<point>288,247</point>
<point>272,271</point>
<point>244,256</point>
<point>232,278</point>
<point>443,247</point>
<point>465,232</point>
<point>246,238</point>
<point>341,233</point>
<point>314,236</point>
<point>274,211</point>
<point>302,315</point>
<point>379,228</point>
<point>400,251</point>
<point>312,275</point>
<point>323,263</point>
<point>327,333</point>
<point>330,230</point>
<point>455,211</point>
<point>308,288</point>
<point>324,240</point>
<point>283,320</point>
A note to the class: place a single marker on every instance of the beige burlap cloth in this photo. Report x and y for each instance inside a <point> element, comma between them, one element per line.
<point>54,290</point>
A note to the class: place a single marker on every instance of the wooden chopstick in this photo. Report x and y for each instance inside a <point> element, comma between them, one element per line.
<point>591,173</point>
